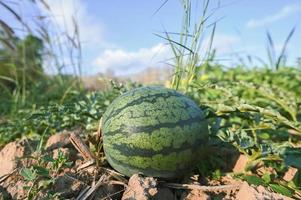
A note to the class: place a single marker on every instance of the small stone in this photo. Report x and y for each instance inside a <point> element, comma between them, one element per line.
<point>290,174</point>
<point>140,188</point>
<point>240,164</point>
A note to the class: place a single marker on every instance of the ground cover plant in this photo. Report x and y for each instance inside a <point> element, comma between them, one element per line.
<point>253,112</point>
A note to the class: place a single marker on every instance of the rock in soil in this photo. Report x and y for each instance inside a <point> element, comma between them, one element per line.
<point>290,174</point>
<point>247,192</point>
<point>144,188</point>
<point>58,140</point>
<point>240,164</point>
<point>11,152</point>
<point>140,188</point>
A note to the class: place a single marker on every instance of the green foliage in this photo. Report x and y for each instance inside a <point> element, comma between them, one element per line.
<point>20,65</point>
<point>258,111</point>
<point>42,175</point>
<point>78,109</point>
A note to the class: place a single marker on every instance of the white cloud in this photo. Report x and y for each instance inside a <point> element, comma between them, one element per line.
<point>125,62</point>
<point>63,15</point>
<point>63,12</point>
<point>286,11</point>
<point>224,43</point>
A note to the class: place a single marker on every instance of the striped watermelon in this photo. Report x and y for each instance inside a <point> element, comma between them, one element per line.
<point>153,131</point>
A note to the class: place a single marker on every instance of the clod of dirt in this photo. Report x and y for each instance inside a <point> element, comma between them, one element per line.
<point>140,188</point>
<point>11,152</point>
<point>16,189</point>
<point>240,164</point>
<point>58,140</point>
<point>247,192</point>
<point>196,195</point>
<point>67,186</point>
<point>290,174</point>
<point>193,194</point>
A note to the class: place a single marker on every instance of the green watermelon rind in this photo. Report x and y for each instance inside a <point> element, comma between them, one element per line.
<point>154,131</point>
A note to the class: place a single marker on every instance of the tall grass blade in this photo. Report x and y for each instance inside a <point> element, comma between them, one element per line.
<point>271,50</point>
<point>282,56</point>
<point>161,6</point>
<point>16,15</point>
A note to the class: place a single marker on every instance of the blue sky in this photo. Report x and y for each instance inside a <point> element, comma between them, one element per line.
<point>119,35</point>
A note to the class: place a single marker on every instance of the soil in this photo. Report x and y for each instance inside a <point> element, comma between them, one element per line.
<point>247,192</point>
<point>83,179</point>
<point>11,154</point>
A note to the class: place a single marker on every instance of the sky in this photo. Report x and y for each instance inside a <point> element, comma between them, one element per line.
<point>120,35</point>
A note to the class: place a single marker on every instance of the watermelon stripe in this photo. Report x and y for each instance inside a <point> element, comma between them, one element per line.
<point>166,111</point>
<point>149,129</point>
<point>145,99</point>
<point>134,151</point>
<point>171,162</point>
<point>161,138</point>
<point>121,166</point>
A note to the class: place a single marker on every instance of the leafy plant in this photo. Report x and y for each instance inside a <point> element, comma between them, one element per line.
<point>42,175</point>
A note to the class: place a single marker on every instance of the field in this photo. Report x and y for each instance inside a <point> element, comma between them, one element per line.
<point>50,125</point>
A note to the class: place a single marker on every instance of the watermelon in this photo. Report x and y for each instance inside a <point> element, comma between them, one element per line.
<point>154,131</point>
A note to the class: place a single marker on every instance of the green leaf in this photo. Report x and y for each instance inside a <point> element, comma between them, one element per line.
<point>266,177</point>
<point>48,158</point>
<point>45,183</point>
<point>28,174</point>
<point>264,136</point>
<point>254,180</point>
<point>281,189</point>
<point>26,187</point>
<point>69,164</point>
<point>292,157</point>
<point>41,171</point>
